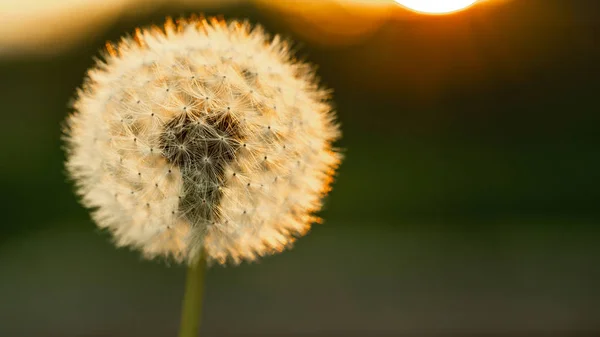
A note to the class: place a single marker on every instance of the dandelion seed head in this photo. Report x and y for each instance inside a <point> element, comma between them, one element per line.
<point>202,136</point>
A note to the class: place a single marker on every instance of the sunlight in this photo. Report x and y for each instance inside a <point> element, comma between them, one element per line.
<point>436,6</point>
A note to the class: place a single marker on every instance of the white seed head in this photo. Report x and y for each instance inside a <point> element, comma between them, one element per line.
<point>205,136</point>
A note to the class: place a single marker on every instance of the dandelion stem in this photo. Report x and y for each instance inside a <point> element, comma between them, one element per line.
<point>191,310</point>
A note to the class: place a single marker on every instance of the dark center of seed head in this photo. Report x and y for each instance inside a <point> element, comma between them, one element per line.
<point>202,151</point>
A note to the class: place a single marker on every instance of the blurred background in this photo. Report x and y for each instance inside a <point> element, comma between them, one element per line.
<point>467,204</point>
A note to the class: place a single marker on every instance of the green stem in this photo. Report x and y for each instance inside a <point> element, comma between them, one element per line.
<point>191,310</point>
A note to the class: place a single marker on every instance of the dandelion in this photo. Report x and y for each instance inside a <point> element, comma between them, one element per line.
<point>202,141</point>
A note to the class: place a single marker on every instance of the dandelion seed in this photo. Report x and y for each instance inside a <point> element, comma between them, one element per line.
<point>199,150</point>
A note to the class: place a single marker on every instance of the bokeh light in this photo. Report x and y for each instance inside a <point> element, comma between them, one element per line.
<point>436,6</point>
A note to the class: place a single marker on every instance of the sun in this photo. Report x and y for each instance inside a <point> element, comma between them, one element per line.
<point>436,6</point>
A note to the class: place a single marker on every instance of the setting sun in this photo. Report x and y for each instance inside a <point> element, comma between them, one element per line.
<point>436,6</point>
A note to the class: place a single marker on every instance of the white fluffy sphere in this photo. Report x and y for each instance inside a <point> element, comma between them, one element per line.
<point>204,136</point>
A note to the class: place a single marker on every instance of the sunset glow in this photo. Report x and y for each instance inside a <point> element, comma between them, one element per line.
<point>436,6</point>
